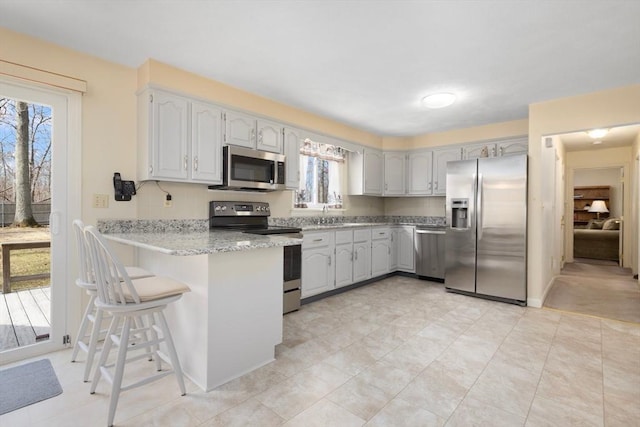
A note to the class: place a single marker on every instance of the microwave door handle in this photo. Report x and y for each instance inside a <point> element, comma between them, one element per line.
<point>273,173</point>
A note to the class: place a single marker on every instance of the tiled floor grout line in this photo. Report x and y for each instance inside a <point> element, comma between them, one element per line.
<point>604,406</point>
<point>546,358</point>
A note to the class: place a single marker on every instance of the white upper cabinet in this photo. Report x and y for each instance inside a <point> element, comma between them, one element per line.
<point>240,129</point>
<point>477,151</point>
<point>169,136</point>
<point>366,172</point>
<point>292,143</point>
<point>513,146</point>
<point>419,173</point>
<point>179,139</point>
<point>440,159</point>
<point>269,136</point>
<point>394,173</point>
<point>206,143</point>
<point>373,172</point>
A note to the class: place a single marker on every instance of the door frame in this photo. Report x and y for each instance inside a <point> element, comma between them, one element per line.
<point>65,206</point>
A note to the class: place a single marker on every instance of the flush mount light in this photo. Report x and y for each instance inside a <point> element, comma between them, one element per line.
<point>597,142</point>
<point>597,133</point>
<point>439,100</point>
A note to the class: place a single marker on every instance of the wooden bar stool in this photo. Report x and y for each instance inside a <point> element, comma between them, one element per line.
<point>127,300</point>
<point>87,339</point>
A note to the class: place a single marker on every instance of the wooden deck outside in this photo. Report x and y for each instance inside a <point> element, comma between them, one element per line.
<point>24,317</point>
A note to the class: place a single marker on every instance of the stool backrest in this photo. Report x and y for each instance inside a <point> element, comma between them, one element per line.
<point>84,261</point>
<point>113,283</point>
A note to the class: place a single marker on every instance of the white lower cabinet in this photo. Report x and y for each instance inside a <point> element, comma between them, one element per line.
<point>334,259</point>
<point>344,258</point>
<point>361,255</point>
<point>318,269</point>
<point>380,251</point>
<point>405,247</point>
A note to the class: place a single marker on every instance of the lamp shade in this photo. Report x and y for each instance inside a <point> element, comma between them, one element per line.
<point>598,206</point>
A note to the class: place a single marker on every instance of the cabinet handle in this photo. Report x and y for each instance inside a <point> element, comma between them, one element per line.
<point>502,151</point>
<point>329,261</point>
<point>436,184</point>
<point>351,256</point>
<point>317,240</point>
<point>356,255</point>
<point>260,136</point>
<point>195,163</point>
<point>253,134</point>
<point>386,186</point>
<point>186,162</point>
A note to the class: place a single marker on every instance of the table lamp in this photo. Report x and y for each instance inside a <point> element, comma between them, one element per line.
<point>598,206</point>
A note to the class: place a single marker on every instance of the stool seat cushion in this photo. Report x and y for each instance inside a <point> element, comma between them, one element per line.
<point>155,287</point>
<point>137,272</point>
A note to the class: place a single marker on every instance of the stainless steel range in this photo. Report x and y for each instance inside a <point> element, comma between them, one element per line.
<point>253,218</point>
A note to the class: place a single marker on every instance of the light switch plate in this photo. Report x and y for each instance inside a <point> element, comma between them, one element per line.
<point>101,201</point>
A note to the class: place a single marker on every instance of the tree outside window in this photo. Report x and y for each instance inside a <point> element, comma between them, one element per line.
<point>320,176</point>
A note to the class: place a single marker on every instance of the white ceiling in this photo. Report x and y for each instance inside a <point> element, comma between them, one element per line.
<point>364,63</point>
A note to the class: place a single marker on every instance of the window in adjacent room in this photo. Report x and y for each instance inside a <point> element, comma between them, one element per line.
<point>320,175</point>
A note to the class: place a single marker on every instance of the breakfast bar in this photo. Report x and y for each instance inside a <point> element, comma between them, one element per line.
<point>231,321</point>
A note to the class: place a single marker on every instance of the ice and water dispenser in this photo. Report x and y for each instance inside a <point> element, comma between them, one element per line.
<point>460,213</point>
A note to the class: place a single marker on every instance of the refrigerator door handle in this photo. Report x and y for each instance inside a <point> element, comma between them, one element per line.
<point>479,207</point>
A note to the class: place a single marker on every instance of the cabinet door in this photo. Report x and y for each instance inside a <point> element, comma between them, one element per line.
<point>406,249</point>
<point>344,265</point>
<point>477,151</point>
<point>511,147</point>
<point>292,144</point>
<point>373,172</point>
<point>393,256</point>
<point>394,174</point>
<point>269,136</point>
<point>440,159</point>
<point>170,136</point>
<point>317,271</point>
<point>206,143</point>
<point>240,129</point>
<point>361,261</point>
<point>380,252</point>
<point>420,170</point>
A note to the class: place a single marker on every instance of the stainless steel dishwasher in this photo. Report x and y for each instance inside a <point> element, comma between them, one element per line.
<point>430,253</point>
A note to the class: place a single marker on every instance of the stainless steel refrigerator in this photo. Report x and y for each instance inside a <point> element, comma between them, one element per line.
<point>486,234</point>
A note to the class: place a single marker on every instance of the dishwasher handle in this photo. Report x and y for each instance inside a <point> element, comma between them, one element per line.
<point>430,232</point>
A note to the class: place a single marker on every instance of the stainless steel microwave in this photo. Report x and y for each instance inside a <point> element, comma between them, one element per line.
<point>252,170</point>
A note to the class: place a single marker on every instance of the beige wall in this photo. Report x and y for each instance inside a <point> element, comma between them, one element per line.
<point>609,108</point>
<point>478,133</point>
<point>108,115</point>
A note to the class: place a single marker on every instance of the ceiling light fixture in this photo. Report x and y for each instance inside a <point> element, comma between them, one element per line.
<point>439,100</point>
<point>597,142</point>
<point>597,133</point>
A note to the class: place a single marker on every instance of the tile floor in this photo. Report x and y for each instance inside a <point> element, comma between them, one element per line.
<point>400,352</point>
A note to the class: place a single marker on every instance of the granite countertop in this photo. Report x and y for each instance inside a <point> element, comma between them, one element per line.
<point>200,242</point>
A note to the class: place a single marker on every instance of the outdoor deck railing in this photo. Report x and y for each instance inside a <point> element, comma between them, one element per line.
<point>6,263</point>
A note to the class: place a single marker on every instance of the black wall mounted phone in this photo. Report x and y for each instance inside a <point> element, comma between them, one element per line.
<point>123,189</point>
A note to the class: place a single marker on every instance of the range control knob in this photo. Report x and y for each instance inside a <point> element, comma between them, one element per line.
<point>217,208</point>
<point>224,208</point>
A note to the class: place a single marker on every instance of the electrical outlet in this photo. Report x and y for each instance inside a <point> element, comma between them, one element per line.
<point>101,201</point>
